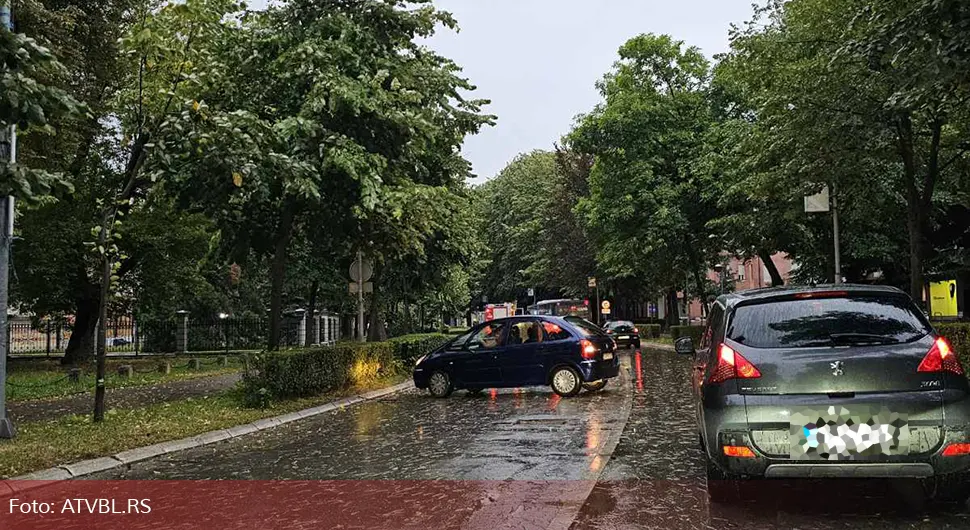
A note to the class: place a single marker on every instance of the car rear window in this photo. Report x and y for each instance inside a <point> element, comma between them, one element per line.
<point>835,321</point>
<point>620,325</point>
<point>585,327</point>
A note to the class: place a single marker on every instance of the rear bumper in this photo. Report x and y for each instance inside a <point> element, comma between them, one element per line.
<point>847,470</point>
<point>633,340</point>
<point>596,370</point>
<point>762,424</point>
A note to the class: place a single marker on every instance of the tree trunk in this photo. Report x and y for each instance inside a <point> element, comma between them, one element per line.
<point>278,275</point>
<point>673,313</point>
<point>80,347</point>
<point>311,312</point>
<point>776,279</point>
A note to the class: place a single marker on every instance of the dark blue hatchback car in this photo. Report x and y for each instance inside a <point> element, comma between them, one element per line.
<point>565,353</point>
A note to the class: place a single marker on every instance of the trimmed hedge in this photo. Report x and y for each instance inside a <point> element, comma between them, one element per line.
<point>411,347</point>
<point>958,334</point>
<point>694,332</point>
<point>313,371</point>
<point>649,331</point>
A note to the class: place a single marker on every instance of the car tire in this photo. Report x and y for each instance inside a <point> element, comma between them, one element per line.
<point>948,489</point>
<point>439,384</point>
<point>721,488</point>
<point>636,346</point>
<point>565,381</point>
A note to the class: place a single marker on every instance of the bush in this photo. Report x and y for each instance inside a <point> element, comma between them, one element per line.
<point>314,371</point>
<point>958,334</point>
<point>649,331</point>
<point>409,348</point>
<point>694,332</point>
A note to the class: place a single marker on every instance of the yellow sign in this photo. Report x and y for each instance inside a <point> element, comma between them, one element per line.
<point>943,299</point>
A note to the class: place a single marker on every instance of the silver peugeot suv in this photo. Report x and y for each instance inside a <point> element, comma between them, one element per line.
<point>838,381</point>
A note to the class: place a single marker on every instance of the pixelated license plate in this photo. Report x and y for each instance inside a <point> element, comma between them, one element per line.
<point>858,432</point>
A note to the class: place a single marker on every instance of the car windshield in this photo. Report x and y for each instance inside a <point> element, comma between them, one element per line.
<point>834,321</point>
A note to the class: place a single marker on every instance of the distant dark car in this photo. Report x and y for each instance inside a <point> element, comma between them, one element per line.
<point>829,381</point>
<point>568,355</point>
<point>623,332</point>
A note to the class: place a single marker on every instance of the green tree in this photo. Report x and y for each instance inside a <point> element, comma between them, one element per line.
<point>843,100</point>
<point>329,119</point>
<point>648,204</point>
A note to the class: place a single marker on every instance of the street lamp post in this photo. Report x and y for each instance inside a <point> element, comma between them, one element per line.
<point>224,317</point>
<point>8,151</point>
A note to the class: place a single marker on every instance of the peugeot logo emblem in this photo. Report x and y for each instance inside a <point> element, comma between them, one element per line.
<point>837,368</point>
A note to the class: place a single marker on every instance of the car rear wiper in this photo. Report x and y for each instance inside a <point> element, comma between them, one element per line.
<point>862,338</point>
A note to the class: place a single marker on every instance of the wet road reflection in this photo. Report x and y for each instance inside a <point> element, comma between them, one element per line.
<point>656,477</point>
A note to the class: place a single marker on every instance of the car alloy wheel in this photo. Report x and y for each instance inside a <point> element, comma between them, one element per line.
<point>595,385</point>
<point>439,384</point>
<point>565,382</point>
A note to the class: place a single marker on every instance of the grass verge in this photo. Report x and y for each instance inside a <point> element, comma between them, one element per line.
<point>40,445</point>
<point>663,339</point>
<point>46,379</point>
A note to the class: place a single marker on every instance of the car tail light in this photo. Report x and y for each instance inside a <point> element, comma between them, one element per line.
<point>941,358</point>
<point>732,365</point>
<point>609,332</point>
<point>588,349</point>
<point>957,449</point>
<point>637,331</point>
<point>738,451</point>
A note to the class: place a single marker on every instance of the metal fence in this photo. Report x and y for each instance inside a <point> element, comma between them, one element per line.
<point>180,334</point>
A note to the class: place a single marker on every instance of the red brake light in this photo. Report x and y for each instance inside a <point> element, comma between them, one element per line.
<point>609,332</point>
<point>822,294</point>
<point>732,365</point>
<point>635,330</point>
<point>941,358</point>
<point>957,449</point>
<point>587,349</point>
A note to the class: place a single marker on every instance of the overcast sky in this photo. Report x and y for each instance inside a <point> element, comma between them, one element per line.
<point>538,60</point>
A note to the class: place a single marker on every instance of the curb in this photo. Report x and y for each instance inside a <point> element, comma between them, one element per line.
<point>43,477</point>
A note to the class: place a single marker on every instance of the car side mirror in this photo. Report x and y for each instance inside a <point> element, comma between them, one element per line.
<point>684,346</point>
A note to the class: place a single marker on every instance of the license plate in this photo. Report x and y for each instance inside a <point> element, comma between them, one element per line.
<point>840,433</point>
<point>607,356</point>
<point>623,337</point>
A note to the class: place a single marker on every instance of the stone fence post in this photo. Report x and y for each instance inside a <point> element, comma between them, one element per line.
<point>182,331</point>
<point>300,327</point>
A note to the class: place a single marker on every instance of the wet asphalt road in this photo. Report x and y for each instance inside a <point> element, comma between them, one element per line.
<point>626,457</point>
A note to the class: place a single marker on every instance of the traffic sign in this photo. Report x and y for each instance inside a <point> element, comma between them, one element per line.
<point>591,281</point>
<point>818,203</point>
<point>361,270</point>
<point>532,292</point>
<point>606,305</point>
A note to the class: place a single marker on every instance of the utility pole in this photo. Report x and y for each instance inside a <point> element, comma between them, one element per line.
<point>8,152</point>
<point>835,234</point>
<point>360,297</point>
